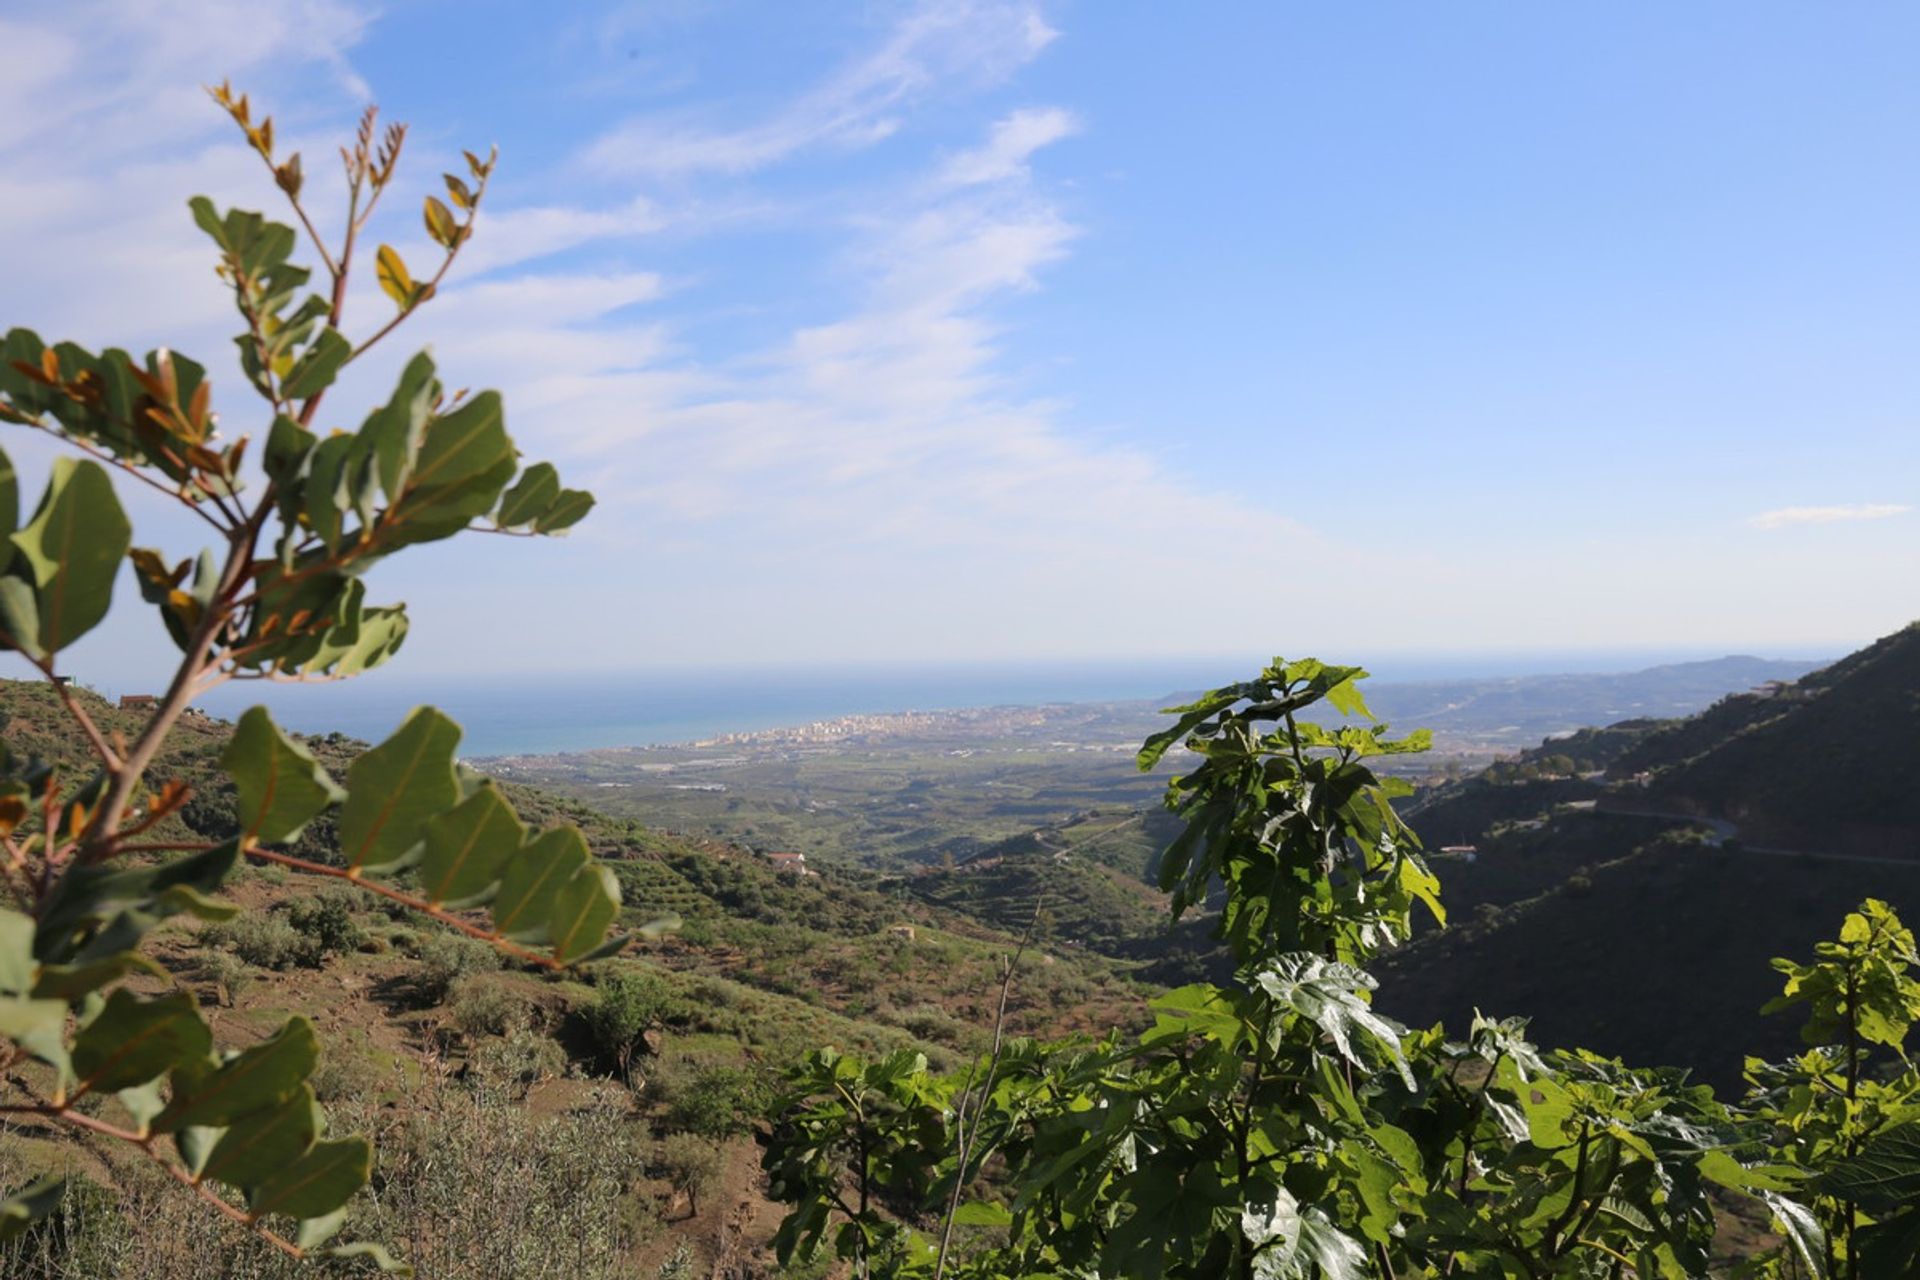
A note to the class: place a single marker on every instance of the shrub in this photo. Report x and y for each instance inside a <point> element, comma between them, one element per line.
<point>521,1058</point>
<point>265,940</point>
<point>714,1101</point>
<point>444,957</point>
<point>628,1003</point>
<point>476,1007</point>
<point>691,1164</point>
<point>327,918</point>
<point>225,970</point>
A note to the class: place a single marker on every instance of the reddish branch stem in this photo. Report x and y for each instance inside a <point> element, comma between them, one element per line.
<point>406,899</point>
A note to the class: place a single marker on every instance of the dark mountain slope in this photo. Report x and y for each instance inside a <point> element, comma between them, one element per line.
<point>1827,764</point>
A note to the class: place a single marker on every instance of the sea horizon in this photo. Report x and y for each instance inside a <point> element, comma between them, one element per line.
<point>557,713</point>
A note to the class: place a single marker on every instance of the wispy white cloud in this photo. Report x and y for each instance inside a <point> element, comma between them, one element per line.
<point>1011,146</point>
<point>937,43</point>
<point>1789,517</point>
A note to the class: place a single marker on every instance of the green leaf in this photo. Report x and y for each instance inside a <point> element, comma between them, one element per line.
<point>585,906</point>
<point>264,1075</point>
<point>1884,1175</point>
<point>523,907</point>
<point>71,981</point>
<point>395,431</point>
<point>281,786</point>
<point>530,496</point>
<point>569,509</point>
<point>470,441</point>
<point>323,496</point>
<point>317,1231</point>
<point>318,1182</point>
<point>317,367</point>
<point>1802,1230</point>
<point>983,1213</point>
<point>16,951</point>
<point>143,1102</point>
<point>73,547</point>
<point>394,789</point>
<point>19,614</point>
<point>132,1041</point>
<point>467,846</point>
<point>259,1145</point>
<point>288,447</point>
<point>25,1207</point>
<point>39,1027</point>
<point>1326,994</point>
<point>178,898</point>
<point>9,496</point>
<point>1289,1242</point>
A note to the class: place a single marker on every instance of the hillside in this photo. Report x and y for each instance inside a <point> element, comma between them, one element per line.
<point>429,1035</point>
<point>1647,936</point>
<point>1825,764</point>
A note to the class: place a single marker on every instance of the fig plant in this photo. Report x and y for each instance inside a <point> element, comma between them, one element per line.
<point>93,1035</point>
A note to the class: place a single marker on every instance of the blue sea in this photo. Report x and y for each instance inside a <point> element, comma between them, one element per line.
<point>544,713</point>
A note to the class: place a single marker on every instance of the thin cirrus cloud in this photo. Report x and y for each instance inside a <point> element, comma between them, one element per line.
<point>1793,517</point>
<point>934,47</point>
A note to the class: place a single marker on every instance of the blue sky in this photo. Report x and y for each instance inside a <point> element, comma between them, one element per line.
<point>1023,330</point>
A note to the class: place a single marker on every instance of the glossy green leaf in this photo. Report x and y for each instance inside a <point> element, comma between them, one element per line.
<point>1327,994</point>
<point>394,789</point>
<point>467,847</point>
<point>523,906</point>
<point>1295,1243</point>
<point>281,787</point>
<point>73,547</point>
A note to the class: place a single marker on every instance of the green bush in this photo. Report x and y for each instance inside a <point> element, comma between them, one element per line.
<point>327,918</point>
<point>714,1101</point>
<point>266,940</point>
<point>227,971</point>
<point>445,957</point>
<point>520,1058</point>
<point>477,1007</point>
<point>627,1003</point>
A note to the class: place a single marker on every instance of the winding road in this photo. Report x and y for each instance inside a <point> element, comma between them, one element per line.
<point>1723,831</point>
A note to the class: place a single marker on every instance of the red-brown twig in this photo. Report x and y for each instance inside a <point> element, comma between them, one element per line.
<point>421,905</point>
